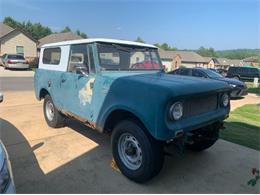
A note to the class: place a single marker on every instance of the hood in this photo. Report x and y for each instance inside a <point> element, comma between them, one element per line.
<point>231,81</point>
<point>176,84</point>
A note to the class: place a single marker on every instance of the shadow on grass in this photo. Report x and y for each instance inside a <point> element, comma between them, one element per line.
<point>242,134</point>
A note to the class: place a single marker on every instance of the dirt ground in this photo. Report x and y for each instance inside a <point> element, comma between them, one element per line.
<point>76,159</point>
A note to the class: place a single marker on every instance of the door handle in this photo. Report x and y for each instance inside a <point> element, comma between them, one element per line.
<point>63,80</point>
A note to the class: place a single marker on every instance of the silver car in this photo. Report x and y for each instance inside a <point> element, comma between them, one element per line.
<point>14,61</point>
<point>6,175</point>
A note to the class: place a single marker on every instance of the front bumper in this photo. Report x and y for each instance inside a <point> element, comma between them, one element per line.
<point>238,92</point>
<point>196,122</point>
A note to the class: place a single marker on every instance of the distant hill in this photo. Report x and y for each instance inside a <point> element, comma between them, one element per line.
<point>238,53</point>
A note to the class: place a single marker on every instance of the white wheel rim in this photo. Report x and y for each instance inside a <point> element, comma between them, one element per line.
<point>49,109</point>
<point>130,151</point>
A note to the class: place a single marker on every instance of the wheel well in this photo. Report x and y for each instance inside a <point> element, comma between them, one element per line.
<point>118,115</point>
<point>43,93</point>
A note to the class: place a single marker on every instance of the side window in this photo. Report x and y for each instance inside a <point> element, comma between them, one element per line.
<point>78,57</point>
<point>184,71</point>
<point>197,73</point>
<point>51,56</point>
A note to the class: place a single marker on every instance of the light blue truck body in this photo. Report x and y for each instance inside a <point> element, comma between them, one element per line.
<point>147,95</point>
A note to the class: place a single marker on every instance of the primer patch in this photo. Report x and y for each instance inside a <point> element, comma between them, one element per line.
<point>85,94</point>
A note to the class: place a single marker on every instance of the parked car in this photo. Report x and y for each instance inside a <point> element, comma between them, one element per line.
<point>102,83</point>
<point>245,73</point>
<point>15,61</point>
<point>6,175</point>
<point>221,71</point>
<point>239,88</point>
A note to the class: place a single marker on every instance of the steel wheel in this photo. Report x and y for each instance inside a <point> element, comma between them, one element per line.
<point>49,107</point>
<point>130,151</point>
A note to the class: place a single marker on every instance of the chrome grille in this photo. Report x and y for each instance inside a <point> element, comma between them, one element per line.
<point>200,105</point>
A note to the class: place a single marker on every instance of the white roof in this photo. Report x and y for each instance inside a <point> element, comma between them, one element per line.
<point>79,41</point>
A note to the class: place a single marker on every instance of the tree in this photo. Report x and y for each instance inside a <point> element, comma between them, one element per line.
<point>140,40</point>
<point>83,35</point>
<point>36,30</point>
<point>207,52</point>
<point>66,29</point>
<point>165,46</point>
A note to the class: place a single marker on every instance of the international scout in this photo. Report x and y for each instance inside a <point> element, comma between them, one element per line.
<point>119,87</point>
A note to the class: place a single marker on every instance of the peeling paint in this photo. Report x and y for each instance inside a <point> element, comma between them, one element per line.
<point>85,94</point>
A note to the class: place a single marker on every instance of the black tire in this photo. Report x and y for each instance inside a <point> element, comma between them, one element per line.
<point>236,77</point>
<point>151,150</point>
<point>204,142</point>
<point>58,119</point>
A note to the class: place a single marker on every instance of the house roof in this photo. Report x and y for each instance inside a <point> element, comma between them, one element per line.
<point>58,37</point>
<point>207,59</point>
<point>228,62</point>
<point>252,59</point>
<point>97,40</point>
<point>186,56</point>
<point>4,29</point>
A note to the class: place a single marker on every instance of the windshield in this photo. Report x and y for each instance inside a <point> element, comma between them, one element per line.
<point>212,74</point>
<point>124,57</point>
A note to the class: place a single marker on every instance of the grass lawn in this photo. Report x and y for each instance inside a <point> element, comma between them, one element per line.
<point>252,89</point>
<point>243,126</point>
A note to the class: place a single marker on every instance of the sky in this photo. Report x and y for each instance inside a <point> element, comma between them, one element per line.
<point>185,24</point>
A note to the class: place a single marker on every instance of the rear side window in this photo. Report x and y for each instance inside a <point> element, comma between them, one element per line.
<point>197,73</point>
<point>232,70</point>
<point>184,71</point>
<point>15,57</point>
<point>51,56</point>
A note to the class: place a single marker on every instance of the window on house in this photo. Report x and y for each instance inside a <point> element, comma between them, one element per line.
<point>20,50</point>
<point>51,56</point>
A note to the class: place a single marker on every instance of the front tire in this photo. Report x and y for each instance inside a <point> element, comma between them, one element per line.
<point>52,116</point>
<point>138,156</point>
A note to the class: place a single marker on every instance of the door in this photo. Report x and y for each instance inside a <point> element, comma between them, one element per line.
<point>77,86</point>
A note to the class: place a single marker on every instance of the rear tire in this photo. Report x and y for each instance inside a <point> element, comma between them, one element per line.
<point>52,116</point>
<point>138,155</point>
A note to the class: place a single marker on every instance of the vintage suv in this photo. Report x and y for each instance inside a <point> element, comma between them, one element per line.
<point>119,87</point>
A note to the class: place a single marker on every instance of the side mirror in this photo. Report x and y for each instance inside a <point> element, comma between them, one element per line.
<point>1,97</point>
<point>82,70</point>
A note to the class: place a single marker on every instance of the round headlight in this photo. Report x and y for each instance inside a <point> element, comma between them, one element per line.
<point>176,111</point>
<point>225,99</point>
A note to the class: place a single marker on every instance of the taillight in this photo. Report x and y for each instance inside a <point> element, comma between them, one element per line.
<point>9,62</point>
<point>26,62</point>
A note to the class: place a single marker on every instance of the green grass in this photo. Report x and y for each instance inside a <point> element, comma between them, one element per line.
<point>243,126</point>
<point>252,89</point>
